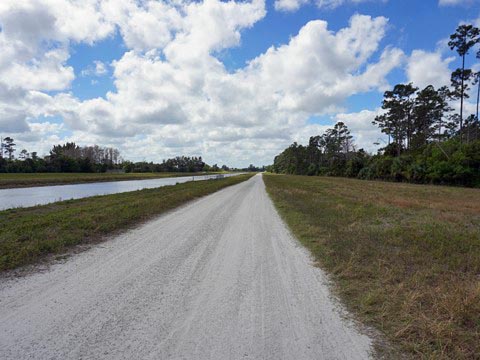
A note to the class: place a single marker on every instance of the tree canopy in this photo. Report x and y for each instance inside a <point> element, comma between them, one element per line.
<point>427,141</point>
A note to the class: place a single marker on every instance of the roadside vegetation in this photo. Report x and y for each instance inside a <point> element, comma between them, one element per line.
<point>428,141</point>
<point>405,258</point>
<point>28,235</point>
<point>43,179</point>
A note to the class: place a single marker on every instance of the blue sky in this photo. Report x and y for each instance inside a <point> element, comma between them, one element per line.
<point>405,31</point>
<point>413,24</point>
<point>157,79</point>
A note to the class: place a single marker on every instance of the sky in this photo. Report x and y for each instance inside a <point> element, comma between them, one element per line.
<point>232,81</point>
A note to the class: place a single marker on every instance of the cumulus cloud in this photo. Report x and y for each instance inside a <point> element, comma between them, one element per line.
<point>144,25</point>
<point>34,42</point>
<point>428,68</point>
<point>317,70</point>
<point>172,94</point>
<point>188,97</point>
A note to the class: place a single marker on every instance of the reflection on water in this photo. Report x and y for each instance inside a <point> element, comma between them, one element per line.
<point>40,195</point>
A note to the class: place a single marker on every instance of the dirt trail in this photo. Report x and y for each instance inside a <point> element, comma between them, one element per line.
<point>220,278</point>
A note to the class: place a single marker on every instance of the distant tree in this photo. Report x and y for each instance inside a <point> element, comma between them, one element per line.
<point>314,154</point>
<point>428,112</point>
<point>464,38</point>
<point>344,137</point>
<point>23,155</point>
<point>331,153</point>
<point>442,122</point>
<point>397,122</point>
<point>471,129</point>
<point>476,82</point>
<point>386,126</point>
<point>460,80</point>
<point>452,126</point>
<point>336,140</point>
<point>70,150</point>
<point>9,147</point>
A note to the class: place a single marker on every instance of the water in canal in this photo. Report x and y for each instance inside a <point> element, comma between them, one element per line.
<point>40,195</point>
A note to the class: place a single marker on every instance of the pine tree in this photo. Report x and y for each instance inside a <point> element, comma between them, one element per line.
<point>465,37</point>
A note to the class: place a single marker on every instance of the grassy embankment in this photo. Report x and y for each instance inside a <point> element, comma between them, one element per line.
<point>405,258</point>
<point>28,235</point>
<point>43,179</point>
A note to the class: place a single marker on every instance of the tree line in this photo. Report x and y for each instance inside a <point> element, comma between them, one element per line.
<point>70,158</point>
<point>428,142</point>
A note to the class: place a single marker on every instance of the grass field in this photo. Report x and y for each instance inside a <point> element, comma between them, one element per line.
<point>404,258</point>
<point>43,179</point>
<point>28,235</point>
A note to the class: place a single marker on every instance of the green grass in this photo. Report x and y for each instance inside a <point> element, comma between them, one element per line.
<point>28,235</point>
<point>405,258</point>
<point>43,179</point>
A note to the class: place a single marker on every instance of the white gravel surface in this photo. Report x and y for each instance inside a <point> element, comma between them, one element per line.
<point>219,278</point>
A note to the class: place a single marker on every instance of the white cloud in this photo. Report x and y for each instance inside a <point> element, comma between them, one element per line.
<point>60,20</point>
<point>289,5</point>
<point>428,68</point>
<point>361,127</point>
<point>144,25</point>
<point>179,100</point>
<point>292,5</point>
<point>317,70</point>
<point>98,68</point>
<point>34,43</point>
<point>172,94</point>
<point>454,2</point>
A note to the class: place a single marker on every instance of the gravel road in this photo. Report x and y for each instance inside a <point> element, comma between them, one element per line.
<point>219,278</point>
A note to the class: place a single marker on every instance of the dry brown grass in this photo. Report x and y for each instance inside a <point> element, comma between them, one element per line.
<point>406,258</point>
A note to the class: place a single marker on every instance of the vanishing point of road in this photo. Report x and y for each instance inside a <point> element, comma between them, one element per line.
<point>219,278</point>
